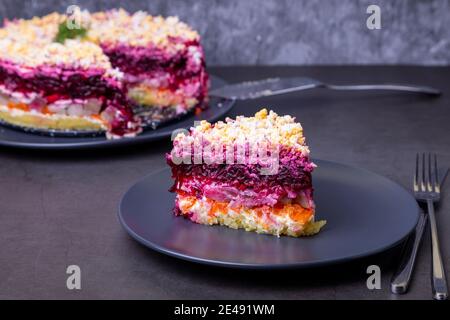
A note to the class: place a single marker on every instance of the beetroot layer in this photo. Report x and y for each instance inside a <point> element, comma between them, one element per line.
<point>293,177</point>
<point>151,62</point>
<point>65,82</point>
<point>143,60</point>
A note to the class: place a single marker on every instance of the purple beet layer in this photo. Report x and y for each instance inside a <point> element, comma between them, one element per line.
<point>66,82</point>
<point>142,60</point>
<point>292,178</point>
<point>150,62</point>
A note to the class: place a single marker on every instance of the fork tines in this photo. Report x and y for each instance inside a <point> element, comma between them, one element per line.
<point>426,177</point>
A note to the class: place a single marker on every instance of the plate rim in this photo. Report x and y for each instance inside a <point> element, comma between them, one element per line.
<point>253,266</point>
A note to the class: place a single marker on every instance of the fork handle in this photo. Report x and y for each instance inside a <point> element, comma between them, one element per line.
<point>438,281</point>
<point>402,276</point>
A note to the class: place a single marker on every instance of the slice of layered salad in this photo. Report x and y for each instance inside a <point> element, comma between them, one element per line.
<point>252,173</point>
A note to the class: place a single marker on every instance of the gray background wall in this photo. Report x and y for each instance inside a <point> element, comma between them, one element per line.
<point>293,32</point>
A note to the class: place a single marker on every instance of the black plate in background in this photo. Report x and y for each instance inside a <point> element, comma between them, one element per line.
<point>18,138</point>
<point>365,212</point>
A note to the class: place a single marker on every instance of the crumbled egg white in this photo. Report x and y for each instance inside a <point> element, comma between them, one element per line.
<point>264,126</point>
<point>139,29</point>
<point>31,42</point>
<point>72,52</point>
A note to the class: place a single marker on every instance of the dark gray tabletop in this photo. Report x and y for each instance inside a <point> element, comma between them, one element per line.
<point>60,208</point>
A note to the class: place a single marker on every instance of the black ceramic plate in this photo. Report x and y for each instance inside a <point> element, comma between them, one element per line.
<point>366,214</point>
<point>16,137</point>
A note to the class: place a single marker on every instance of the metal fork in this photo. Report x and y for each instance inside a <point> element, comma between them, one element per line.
<point>427,189</point>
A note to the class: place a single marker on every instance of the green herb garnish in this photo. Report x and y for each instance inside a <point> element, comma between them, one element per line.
<point>64,32</point>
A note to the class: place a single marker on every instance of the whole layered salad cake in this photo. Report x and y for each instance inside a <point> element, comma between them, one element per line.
<point>252,173</point>
<point>97,75</point>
